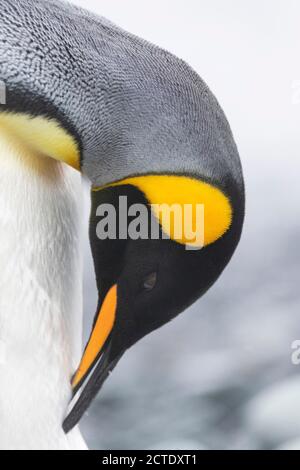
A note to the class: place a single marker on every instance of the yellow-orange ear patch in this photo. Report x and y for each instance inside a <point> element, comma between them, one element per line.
<point>42,135</point>
<point>165,192</point>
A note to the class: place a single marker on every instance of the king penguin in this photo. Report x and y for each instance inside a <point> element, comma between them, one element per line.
<point>139,123</point>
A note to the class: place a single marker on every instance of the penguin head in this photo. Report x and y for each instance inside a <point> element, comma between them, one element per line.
<point>154,266</point>
<point>140,121</point>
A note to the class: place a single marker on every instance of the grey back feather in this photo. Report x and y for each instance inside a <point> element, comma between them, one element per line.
<point>134,107</point>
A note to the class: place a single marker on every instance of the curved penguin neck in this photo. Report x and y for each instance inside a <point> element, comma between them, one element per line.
<point>40,297</point>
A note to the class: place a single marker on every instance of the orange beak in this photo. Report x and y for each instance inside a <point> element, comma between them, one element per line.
<point>101,331</point>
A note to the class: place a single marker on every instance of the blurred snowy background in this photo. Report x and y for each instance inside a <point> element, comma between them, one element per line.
<point>220,376</point>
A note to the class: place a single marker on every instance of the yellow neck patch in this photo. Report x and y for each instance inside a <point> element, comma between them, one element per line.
<point>42,135</point>
<point>187,194</point>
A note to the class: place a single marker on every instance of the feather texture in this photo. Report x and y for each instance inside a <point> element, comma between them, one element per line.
<point>40,297</point>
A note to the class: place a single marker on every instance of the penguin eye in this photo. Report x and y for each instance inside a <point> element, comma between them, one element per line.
<point>150,281</point>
